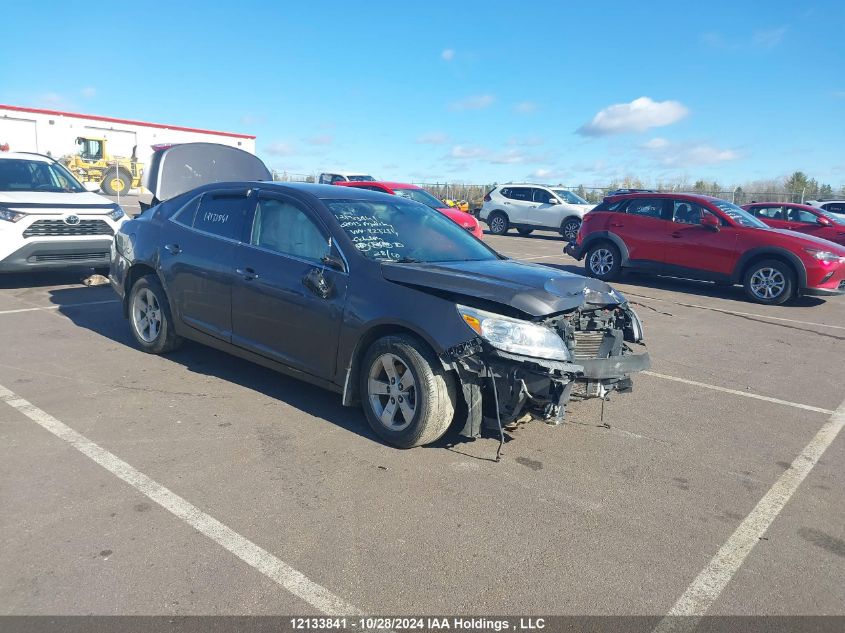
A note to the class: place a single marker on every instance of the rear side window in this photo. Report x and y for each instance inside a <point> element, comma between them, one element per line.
<point>221,214</point>
<point>506,192</point>
<point>186,214</point>
<point>646,207</point>
<point>767,213</point>
<point>608,205</point>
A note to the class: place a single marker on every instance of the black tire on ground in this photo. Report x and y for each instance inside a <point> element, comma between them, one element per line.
<point>149,317</point>
<point>498,223</point>
<point>769,281</point>
<point>569,229</point>
<point>429,402</point>
<point>522,231</point>
<point>603,261</point>
<point>116,181</point>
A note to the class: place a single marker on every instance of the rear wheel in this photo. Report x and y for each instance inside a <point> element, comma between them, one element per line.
<point>408,398</point>
<point>522,231</point>
<point>498,223</point>
<point>569,229</point>
<point>769,281</point>
<point>116,182</point>
<point>603,261</point>
<point>149,317</point>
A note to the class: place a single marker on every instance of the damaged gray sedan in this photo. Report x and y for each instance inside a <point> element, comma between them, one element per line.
<point>377,297</point>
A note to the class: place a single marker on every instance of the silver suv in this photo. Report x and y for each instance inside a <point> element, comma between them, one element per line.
<point>527,207</point>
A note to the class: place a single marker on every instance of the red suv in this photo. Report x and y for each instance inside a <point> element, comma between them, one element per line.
<point>799,217</point>
<point>699,237</point>
<point>418,194</point>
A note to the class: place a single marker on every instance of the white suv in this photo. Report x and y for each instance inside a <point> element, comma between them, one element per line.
<point>48,219</point>
<point>527,207</point>
<point>834,207</point>
<point>331,177</point>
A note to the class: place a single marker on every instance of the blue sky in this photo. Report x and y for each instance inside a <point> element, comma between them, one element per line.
<point>460,91</point>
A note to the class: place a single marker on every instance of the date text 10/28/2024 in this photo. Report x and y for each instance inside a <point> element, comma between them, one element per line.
<point>464,624</point>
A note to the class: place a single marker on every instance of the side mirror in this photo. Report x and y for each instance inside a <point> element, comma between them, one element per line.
<point>710,222</point>
<point>554,201</point>
<point>823,221</point>
<point>332,260</point>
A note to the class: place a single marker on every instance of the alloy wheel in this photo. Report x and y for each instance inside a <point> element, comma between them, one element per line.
<point>570,229</point>
<point>146,315</point>
<point>601,261</point>
<point>392,392</point>
<point>497,224</point>
<point>767,283</point>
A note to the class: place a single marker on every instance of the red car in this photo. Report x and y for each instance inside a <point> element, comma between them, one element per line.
<point>799,217</point>
<point>418,194</point>
<point>700,237</point>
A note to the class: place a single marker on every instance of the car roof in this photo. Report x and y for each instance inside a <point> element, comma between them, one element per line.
<point>687,196</point>
<point>323,192</point>
<point>527,184</point>
<point>41,158</point>
<point>808,207</point>
<point>345,172</point>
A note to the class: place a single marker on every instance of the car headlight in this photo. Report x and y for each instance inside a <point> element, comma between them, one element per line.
<point>9,215</point>
<point>515,335</point>
<point>824,256</point>
<point>117,213</point>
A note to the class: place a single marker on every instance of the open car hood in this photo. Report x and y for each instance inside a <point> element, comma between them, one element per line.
<point>533,289</point>
<point>180,168</point>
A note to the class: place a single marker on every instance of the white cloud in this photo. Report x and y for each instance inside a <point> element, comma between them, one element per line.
<point>476,102</point>
<point>511,157</point>
<point>280,148</point>
<point>525,107</point>
<point>433,138</point>
<point>462,152</point>
<point>681,155</point>
<point>768,38</point>
<point>88,92</point>
<point>638,116</point>
<point>545,175</point>
<point>447,55</point>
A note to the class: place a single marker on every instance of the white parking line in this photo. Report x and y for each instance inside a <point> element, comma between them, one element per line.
<point>277,570</point>
<point>736,392</point>
<point>713,579</point>
<point>59,307</point>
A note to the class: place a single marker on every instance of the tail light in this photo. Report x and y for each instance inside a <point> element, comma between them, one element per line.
<point>487,198</point>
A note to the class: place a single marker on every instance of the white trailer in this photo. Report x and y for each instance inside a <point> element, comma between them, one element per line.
<point>54,133</point>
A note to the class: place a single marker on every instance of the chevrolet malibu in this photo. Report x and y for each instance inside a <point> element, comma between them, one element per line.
<point>374,296</point>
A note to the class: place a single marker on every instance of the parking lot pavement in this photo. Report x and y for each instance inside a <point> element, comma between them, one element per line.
<point>585,518</point>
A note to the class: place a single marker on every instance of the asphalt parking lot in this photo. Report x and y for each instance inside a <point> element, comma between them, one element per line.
<point>586,518</point>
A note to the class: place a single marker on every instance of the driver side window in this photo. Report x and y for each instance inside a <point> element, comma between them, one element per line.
<point>283,227</point>
<point>800,215</point>
<point>542,196</point>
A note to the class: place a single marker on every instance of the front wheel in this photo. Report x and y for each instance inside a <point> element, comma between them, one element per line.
<point>149,317</point>
<point>569,229</point>
<point>603,261</point>
<point>407,396</point>
<point>498,223</point>
<point>770,282</point>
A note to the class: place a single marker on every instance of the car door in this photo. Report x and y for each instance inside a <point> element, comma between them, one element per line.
<point>520,205</point>
<point>198,244</point>
<point>287,304</point>
<point>547,211</point>
<point>803,221</point>
<point>698,249</point>
<point>643,227</point>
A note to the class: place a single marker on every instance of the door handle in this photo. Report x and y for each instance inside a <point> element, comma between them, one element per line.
<point>247,273</point>
<point>173,249</point>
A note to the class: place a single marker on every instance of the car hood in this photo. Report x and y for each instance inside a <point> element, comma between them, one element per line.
<point>530,288</point>
<point>55,202</point>
<point>811,241</point>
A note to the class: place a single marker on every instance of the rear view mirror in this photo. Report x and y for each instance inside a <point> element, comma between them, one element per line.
<point>710,222</point>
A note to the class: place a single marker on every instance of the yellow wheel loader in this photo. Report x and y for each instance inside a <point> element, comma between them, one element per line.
<point>116,175</point>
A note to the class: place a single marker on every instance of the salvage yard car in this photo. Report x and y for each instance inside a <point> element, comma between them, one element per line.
<point>700,237</point>
<point>374,296</point>
<point>529,207</point>
<point>48,219</point>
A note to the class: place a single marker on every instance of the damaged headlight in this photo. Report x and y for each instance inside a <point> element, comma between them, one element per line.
<point>515,335</point>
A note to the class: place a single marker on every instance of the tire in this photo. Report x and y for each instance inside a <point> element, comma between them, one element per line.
<point>603,261</point>
<point>149,317</point>
<point>769,281</point>
<point>569,229</point>
<point>429,405</point>
<point>116,182</point>
<point>498,223</point>
<point>525,231</point>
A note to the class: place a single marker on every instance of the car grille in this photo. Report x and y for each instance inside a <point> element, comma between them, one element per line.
<point>69,257</point>
<point>58,228</point>
<point>588,344</point>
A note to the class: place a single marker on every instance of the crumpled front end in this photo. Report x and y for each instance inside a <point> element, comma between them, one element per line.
<point>499,387</point>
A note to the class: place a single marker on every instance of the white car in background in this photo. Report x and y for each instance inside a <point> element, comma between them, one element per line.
<point>49,220</point>
<point>836,208</point>
<point>527,207</point>
<point>331,177</point>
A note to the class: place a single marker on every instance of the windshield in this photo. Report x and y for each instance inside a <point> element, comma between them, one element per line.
<point>361,178</point>
<point>420,195</point>
<point>739,215</point>
<point>405,231</point>
<point>18,174</point>
<point>568,196</point>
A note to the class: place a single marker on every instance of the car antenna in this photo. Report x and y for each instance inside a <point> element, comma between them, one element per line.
<point>498,417</point>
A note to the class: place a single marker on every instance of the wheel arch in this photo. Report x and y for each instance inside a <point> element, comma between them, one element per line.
<point>135,272</point>
<point>607,236</point>
<point>755,255</point>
